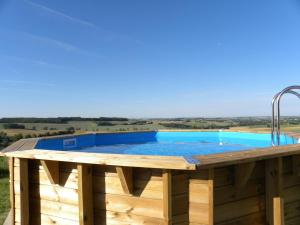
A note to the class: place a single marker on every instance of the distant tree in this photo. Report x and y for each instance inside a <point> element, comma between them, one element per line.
<point>112,119</point>
<point>71,130</point>
<point>105,123</point>
<point>16,137</point>
<point>13,126</point>
<point>4,140</point>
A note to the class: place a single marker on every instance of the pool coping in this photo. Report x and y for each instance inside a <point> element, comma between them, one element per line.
<point>25,148</point>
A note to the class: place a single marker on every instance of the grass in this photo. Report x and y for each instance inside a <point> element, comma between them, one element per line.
<point>4,190</point>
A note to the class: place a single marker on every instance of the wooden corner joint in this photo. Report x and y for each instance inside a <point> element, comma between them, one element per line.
<point>52,170</point>
<point>126,178</point>
<point>242,173</point>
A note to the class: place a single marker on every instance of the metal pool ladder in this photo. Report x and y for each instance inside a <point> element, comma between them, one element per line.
<point>276,111</point>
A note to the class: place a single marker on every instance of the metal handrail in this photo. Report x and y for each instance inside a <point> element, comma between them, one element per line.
<point>276,102</point>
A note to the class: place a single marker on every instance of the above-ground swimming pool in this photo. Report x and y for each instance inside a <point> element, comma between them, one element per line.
<point>164,143</point>
<point>155,178</point>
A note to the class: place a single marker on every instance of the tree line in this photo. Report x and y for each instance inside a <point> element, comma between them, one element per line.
<point>57,119</point>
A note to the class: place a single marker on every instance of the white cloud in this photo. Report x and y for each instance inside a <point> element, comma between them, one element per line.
<point>63,15</point>
<point>60,44</point>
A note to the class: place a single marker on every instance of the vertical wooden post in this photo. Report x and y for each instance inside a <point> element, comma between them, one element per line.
<point>278,205</point>
<point>211,196</point>
<point>296,165</point>
<point>274,198</point>
<point>85,194</point>
<point>167,197</point>
<point>24,192</point>
<point>12,189</point>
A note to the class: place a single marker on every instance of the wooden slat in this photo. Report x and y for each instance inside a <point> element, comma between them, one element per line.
<point>201,199</point>
<point>242,173</point>
<point>129,204</point>
<point>103,217</point>
<point>167,197</point>
<point>241,208</point>
<point>11,188</point>
<point>44,219</point>
<point>274,191</point>
<point>231,158</point>
<point>278,211</point>
<point>126,179</point>
<point>251,219</point>
<point>53,208</point>
<point>296,165</point>
<point>52,170</point>
<point>85,194</point>
<point>142,161</point>
<point>24,192</point>
<point>211,196</point>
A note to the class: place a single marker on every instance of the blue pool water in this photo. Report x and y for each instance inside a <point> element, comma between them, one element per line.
<point>163,143</point>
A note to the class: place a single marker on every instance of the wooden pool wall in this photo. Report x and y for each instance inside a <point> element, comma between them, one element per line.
<point>65,193</point>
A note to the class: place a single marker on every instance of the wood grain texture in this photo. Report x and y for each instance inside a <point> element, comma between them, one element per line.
<point>167,197</point>
<point>24,192</point>
<point>52,170</point>
<point>126,179</point>
<point>85,194</point>
<point>278,213</point>
<point>242,173</point>
<point>142,161</point>
<point>11,189</point>
<point>274,188</point>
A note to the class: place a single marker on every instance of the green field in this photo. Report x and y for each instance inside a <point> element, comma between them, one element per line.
<point>4,190</point>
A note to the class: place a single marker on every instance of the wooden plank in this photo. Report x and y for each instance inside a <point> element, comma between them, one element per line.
<point>53,208</point>
<point>129,204</point>
<point>11,189</point>
<point>151,188</point>
<point>112,218</point>
<point>211,197</point>
<point>241,208</point>
<point>201,199</point>
<point>125,176</point>
<point>85,194</point>
<point>251,219</point>
<point>51,193</point>
<point>242,174</point>
<point>230,158</point>
<point>167,197</point>
<point>24,192</point>
<point>52,170</point>
<point>142,161</point>
<point>229,193</point>
<point>273,190</point>
<point>278,211</point>
<point>44,219</point>
<point>291,210</point>
<point>296,165</point>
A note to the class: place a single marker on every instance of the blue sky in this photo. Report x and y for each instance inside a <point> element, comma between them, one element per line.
<point>142,58</point>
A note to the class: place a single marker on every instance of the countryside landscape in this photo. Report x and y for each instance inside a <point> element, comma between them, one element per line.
<point>13,129</point>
